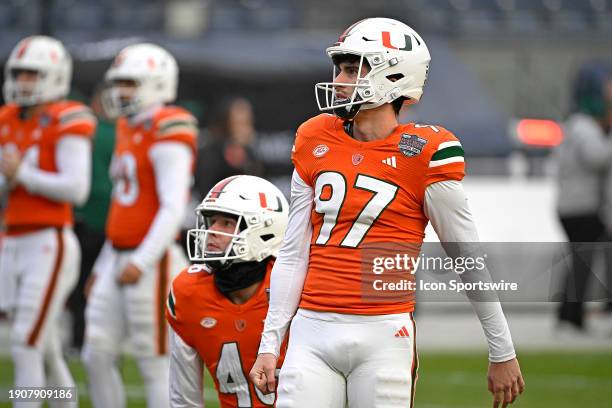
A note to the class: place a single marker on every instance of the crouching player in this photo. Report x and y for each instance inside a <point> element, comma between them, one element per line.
<point>217,306</point>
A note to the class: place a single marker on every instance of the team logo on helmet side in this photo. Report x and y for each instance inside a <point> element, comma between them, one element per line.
<point>386,41</point>
<point>411,145</point>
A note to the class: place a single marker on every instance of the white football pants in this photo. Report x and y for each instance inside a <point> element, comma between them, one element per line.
<point>334,360</point>
<point>38,271</point>
<point>136,312</point>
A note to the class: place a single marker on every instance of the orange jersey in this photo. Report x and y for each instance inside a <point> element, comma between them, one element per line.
<point>36,138</point>
<point>135,202</point>
<point>366,193</point>
<point>225,335</point>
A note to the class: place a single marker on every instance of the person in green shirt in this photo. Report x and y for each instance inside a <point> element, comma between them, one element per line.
<point>90,219</point>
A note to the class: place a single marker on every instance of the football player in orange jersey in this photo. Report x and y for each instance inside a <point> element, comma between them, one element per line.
<point>45,151</point>
<point>217,306</point>
<point>362,178</point>
<point>151,172</point>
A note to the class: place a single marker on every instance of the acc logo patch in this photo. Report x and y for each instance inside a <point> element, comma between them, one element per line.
<point>411,145</point>
<point>357,158</point>
<point>320,150</point>
<point>208,322</point>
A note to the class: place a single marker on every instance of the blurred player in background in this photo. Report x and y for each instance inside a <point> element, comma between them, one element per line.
<point>45,154</point>
<point>151,172</point>
<point>361,178</point>
<point>216,309</point>
<point>584,157</point>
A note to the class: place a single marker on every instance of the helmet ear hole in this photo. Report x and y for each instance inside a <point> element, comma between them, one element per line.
<point>243,225</point>
<point>395,77</point>
<point>266,237</point>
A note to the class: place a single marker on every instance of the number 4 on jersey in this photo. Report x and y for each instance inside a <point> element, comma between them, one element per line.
<point>232,380</point>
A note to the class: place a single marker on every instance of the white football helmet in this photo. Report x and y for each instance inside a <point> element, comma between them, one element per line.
<point>262,214</point>
<point>48,57</point>
<point>398,60</point>
<point>155,72</point>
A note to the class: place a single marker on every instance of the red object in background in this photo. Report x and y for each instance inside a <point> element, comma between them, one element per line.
<point>539,132</point>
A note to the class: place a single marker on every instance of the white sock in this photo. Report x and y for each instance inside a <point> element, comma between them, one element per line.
<point>105,385</point>
<point>155,373</point>
<point>58,373</point>
<point>29,370</point>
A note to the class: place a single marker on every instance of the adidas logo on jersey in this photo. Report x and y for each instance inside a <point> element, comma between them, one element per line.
<point>390,161</point>
<point>403,332</point>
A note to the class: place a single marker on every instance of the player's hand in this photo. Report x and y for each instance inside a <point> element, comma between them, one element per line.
<point>130,275</point>
<point>91,279</point>
<point>505,382</point>
<point>11,159</point>
<point>263,371</point>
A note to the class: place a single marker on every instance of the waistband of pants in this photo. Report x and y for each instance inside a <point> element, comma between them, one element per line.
<point>124,249</point>
<point>17,230</point>
<point>351,318</point>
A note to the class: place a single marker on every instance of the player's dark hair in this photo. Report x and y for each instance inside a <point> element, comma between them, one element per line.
<point>350,59</point>
<point>397,104</point>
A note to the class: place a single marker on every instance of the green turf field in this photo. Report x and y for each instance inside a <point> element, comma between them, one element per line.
<point>559,380</point>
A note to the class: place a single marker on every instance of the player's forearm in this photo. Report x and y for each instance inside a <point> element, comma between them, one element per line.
<point>289,272</point>
<point>285,290</point>
<point>496,330</point>
<point>71,183</point>
<point>161,234</point>
<point>446,207</point>
<point>172,166</point>
<point>186,375</point>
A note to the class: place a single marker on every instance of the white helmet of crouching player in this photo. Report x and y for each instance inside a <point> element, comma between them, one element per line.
<point>152,70</point>
<point>49,60</point>
<point>261,213</point>
<point>398,59</point>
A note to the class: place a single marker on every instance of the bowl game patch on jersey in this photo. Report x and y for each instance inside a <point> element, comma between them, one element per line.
<point>411,145</point>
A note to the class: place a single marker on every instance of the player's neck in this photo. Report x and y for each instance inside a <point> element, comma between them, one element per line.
<point>242,296</point>
<point>375,124</point>
<point>31,111</point>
